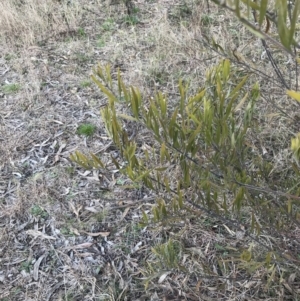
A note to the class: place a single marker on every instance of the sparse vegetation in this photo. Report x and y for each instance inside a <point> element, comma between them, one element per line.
<point>8,56</point>
<point>82,58</point>
<point>86,129</point>
<point>101,42</point>
<point>81,32</point>
<point>108,25</point>
<point>206,20</point>
<point>85,83</point>
<point>37,211</point>
<point>131,20</point>
<point>126,230</point>
<point>11,88</point>
<point>26,266</point>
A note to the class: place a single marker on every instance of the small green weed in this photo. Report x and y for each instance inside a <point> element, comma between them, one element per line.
<point>26,266</point>
<point>43,84</point>
<point>180,12</point>
<point>108,25</point>
<point>37,211</point>
<point>132,232</point>
<point>131,20</point>
<point>184,11</point>
<point>66,231</point>
<point>15,291</point>
<point>81,32</point>
<point>8,57</point>
<point>135,10</point>
<point>86,129</point>
<point>70,170</point>
<point>82,58</point>
<point>69,296</point>
<point>11,88</point>
<point>206,20</point>
<point>159,76</point>
<point>168,253</point>
<point>100,216</point>
<point>101,42</point>
<point>121,182</point>
<point>85,83</point>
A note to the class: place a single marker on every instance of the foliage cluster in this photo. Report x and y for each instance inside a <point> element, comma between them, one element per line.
<point>202,160</point>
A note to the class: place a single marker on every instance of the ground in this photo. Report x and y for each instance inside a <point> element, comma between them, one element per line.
<point>71,234</point>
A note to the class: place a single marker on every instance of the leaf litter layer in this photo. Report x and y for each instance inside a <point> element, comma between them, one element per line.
<point>70,234</point>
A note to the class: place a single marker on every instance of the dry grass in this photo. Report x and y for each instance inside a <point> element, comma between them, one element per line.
<point>67,234</point>
<point>25,22</point>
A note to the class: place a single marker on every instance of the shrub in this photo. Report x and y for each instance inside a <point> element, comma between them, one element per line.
<point>201,161</point>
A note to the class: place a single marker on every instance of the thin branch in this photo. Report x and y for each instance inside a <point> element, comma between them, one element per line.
<point>239,62</point>
<point>270,57</point>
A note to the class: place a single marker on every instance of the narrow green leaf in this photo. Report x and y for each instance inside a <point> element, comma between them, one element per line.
<point>115,162</point>
<point>172,122</point>
<point>135,102</point>
<point>238,87</point>
<point>272,276</point>
<point>241,103</point>
<point>251,4</point>
<point>163,210</point>
<point>219,88</point>
<point>162,104</point>
<point>195,119</point>
<point>253,29</point>
<point>125,92</point>
<point>108,76</point>
<point>130,173</point>
<point>294,94</point>
<point>145,217</point>
<point>160,169</point>
<point>104,89</point>
<point>238,199</point>
<point>192,138</point>
<point>162,152</point>
<point>155,214</point>
<point>289,206</point>
<point>97,160</point>
<point>182,91</point>
<point>166,182</point>
<point>257,227</point>
<point>196,98</point>
<point>237,8</point>
<point>143,175</point>
<point>282,9</point>
<point>73,158</point>
<point>282,28</point>
<point>294,20</point>
<point>127,117</point>
<point>119,83</point>
<point>268,258</point>
<point>130,150</point>
<point>148,183</point>
<point>226,69</point>
<point>99,71</point>
<point>262,11</point>
<point>80,159</point>
<point>246,256</point>
<point>180,200</point>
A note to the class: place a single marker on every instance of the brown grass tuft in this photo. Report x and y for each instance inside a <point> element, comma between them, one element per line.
<point>23,23</point>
